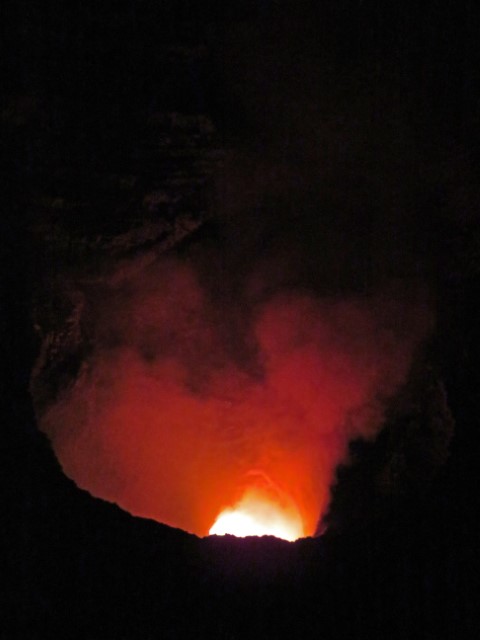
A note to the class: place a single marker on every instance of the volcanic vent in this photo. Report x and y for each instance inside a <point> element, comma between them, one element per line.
<point>223,414</point>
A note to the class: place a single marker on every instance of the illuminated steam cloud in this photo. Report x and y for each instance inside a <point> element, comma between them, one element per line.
<point>187,406</point>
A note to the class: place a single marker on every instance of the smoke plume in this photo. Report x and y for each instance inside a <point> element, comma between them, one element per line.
<point>200,385</point>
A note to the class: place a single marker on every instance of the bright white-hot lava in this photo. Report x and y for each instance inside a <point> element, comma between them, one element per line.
<point>257,514</point>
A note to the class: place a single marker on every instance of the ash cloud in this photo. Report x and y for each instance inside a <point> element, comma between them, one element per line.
<point>202,374</point>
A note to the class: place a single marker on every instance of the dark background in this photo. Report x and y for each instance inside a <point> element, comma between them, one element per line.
<point>252,118</point>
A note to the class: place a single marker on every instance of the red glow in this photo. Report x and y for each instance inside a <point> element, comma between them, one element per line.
<point>170,419</point>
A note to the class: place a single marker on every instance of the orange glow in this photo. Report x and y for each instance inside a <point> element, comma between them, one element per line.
<point>257,514</point>
<point>190,411</point>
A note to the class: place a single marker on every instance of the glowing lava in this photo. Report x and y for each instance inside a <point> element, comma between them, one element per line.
<point>256,514</point>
